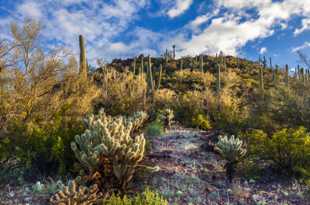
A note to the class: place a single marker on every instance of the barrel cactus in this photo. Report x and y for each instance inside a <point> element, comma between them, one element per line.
<point>232,150</point>
<point>107,147</point>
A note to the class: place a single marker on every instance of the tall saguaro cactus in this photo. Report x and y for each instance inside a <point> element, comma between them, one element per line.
<point>218,84</point>
<point>261,79</point>
<point>150,74</point>
<point>83,61</point>
<point>286,75</point>
<point>134,65</point>
<point>181,64</point>
<point>201,63</point>
<point>160,76</point>
<point>174,55</point>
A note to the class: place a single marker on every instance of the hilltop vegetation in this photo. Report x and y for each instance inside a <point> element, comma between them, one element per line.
<point>59,118</point>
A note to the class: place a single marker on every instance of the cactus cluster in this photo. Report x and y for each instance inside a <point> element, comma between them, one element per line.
<point>73,194</point>
<point>232,150</point>
<point>107,144</point>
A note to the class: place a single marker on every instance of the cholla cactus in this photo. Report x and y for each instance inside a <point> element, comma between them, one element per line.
<point>232,150</point>
<point>107,143</point>
<point>76,195</point>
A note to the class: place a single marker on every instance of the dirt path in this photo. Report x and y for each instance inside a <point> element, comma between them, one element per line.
<point>191,175</point>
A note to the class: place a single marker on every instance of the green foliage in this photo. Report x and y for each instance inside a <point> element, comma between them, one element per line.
<point>50,187</point>
<point>107,147</point>
<point>148,197</point>
<point>287,149</point>
<point>74,194</point>
<point>155,128</point>
<point>232,150</point>
<point>201,121</point>
<point>44,148</point>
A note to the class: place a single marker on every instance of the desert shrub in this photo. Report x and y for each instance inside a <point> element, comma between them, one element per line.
<point>44,149</point>
<point>186,80</point>
<point>148,197</point>
<point>108,149</point>
<point>189,104</point>
<point>164,98</point>
<point>201,121</point>
<point>229,109</point>
<point>232,150</point>
<point>287,149</point>
<point>121,93</point>
<point>155,128</point>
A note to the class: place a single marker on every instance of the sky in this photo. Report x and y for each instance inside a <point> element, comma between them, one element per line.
<point>126,28</point>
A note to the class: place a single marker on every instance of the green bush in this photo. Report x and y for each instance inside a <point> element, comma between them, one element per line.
<point>201,121</point>
<point>146,198</point>
<point>287,149</point>
<point>44,148</point>
<point>155,128</point>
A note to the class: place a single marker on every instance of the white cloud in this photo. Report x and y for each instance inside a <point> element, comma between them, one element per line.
<point>233,29</point>
<point>241,4</point>
<point>179,8</point>
<point>263,50</point>
<point>305,26</point>
<point>30,9</point>
<point>303,46</point>
<point>110,30</point>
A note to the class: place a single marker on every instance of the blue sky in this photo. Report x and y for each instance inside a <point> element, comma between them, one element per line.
<point>125,28</point>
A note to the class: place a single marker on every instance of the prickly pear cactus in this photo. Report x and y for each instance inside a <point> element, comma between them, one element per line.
<point>108,140</point>
<point>73,194</point>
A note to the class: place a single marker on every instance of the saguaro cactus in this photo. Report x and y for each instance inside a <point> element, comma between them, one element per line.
<point>286,75</point>
<point>201,63</point>
<point>218,79</point>
<point>261,79</point>
<point>173,50</point>
<point>150,75</point>
<point>134,65</point>
<point>160,76</point>
<point>181,64</point>
<point>83,61</point>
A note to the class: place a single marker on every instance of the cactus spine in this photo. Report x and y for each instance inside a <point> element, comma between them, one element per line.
<point>83,61</point>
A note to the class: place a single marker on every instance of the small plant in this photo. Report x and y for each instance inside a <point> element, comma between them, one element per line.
<point>232,150</point>
<point>148,197</point>
<point>73,194</point>
<point>155,128</point>
<point>50,187</point>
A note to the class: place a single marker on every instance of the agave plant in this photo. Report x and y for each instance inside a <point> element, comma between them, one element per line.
<point>232,150</point>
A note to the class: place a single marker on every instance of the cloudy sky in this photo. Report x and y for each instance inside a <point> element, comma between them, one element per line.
<point>124,28</point>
